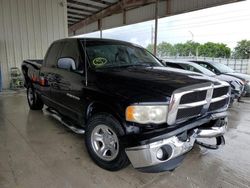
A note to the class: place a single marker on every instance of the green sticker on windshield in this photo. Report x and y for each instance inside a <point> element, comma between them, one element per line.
<point>99,61</point>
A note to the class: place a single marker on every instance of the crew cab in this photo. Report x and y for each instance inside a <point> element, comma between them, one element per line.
<point>131,107</point>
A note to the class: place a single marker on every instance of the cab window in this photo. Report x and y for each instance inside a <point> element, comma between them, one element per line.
<point>70,50</point>
<point>52,54</point>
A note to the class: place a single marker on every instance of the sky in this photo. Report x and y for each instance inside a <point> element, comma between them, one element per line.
<point>223,24</point>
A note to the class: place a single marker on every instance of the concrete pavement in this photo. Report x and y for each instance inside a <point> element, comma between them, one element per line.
<point>37,151</point>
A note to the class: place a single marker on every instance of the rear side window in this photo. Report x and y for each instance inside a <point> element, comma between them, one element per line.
<point>52,54</point>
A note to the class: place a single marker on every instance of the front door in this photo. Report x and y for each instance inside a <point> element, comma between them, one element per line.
<point>68,86</point>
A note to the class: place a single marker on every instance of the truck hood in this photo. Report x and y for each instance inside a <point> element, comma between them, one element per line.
<point>146,84</point>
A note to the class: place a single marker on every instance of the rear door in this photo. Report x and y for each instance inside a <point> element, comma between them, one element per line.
<point>47,70</point>
<point>68,89</point>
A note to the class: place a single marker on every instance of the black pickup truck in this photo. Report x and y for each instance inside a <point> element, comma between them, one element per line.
<point>131,107</point>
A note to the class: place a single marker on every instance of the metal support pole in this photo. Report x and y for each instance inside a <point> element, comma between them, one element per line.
<point>124,17</point>
<point>100,27</point>
<point>156,26</point>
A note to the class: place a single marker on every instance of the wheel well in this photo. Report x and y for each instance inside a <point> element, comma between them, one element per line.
<point>96,108</point>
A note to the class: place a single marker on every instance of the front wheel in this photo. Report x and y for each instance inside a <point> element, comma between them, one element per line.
<point>104,144</point>
<point>34,101</point>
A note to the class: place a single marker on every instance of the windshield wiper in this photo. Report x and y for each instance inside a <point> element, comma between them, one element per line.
<point>134,65</point>
<point>127,65</point>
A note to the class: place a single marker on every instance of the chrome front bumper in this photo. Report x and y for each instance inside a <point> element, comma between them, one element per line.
<point>168,149</point>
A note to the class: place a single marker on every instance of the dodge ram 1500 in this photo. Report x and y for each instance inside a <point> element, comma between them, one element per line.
<point>130,106</point>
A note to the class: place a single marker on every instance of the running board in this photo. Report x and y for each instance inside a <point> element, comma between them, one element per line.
<point>55,115</point>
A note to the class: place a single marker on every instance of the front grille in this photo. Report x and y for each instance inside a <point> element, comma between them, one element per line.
<point>188,112</point>
<point>186,104</point>
<point>218,92</point>
<point>194,97</point>
<point>217,105</point>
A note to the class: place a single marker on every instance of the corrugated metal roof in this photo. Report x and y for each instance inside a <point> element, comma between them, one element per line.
<point>92,15</point>
<point>80,9</point>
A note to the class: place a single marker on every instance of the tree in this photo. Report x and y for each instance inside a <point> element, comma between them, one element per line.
<point>191,48</point>
<point>150,48</point>
<point>211,49</point>
<point>242,50</point>
<point>165,49</point>
<point>179,49</point>
<point>187,49</point>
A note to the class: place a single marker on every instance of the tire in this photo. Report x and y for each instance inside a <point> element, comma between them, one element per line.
<point>34,101</point>
<point>113,156</point>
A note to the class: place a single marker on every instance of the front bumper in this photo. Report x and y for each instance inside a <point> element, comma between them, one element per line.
<point>168,153</point>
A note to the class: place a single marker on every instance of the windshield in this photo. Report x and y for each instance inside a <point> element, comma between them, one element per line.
<point>223,68</point>
<point>105,55</point>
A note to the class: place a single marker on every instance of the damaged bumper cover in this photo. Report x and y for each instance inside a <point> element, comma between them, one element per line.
<point>167,153</point>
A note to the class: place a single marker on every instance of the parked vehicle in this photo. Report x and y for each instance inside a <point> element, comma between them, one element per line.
<point>219,68</point>
<point>132,108</point>
<point>237,85</point>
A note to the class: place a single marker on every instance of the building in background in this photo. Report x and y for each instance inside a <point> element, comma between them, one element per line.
<point>27,28</point>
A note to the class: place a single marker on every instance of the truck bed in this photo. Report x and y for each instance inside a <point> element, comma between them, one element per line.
<point>37,62</point>
<point>31,68</point>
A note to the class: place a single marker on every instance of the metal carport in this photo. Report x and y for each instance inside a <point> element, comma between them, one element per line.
<point>92,15</point>
<point>28,27</point>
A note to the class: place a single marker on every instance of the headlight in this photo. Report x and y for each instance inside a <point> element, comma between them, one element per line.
<point>147,114</point>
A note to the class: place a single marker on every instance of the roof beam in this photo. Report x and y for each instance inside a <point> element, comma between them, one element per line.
<point>83,4</point>
<point>77,14</point>
<point>73,17</point>
<point>102,2</point>
<point>80,9</point>
<point>113,9</point>
<point>71,22</point>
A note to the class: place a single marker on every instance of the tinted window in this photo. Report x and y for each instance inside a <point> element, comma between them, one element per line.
<point>173,65</point>
<point>52,54</point>
<point>189,68</point>
<point>70,50</point>
<point>104,55</point>
<point>223,68</point>
<point>208,67</point>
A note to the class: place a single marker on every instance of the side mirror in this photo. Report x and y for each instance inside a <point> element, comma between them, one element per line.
<point>66,63</point>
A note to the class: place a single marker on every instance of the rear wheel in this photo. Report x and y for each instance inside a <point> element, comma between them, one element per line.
<point>104,144</point>
<point>34,101</point>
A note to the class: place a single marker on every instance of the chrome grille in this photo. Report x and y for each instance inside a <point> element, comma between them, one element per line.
<point>220,91</point>
<point>196,96</point>
<point>217,105</point>
<point>196,100</point>
<point>188,112</point>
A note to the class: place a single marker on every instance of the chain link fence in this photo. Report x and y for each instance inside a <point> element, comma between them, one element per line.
<point>239,65</point>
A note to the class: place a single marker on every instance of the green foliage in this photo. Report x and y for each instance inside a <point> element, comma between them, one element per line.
<point>211,49</point>
<point>186,49</point>
<point>242,50</point>
<point>191,48</point>
<point>165,49</point>
<point>150,48</point>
